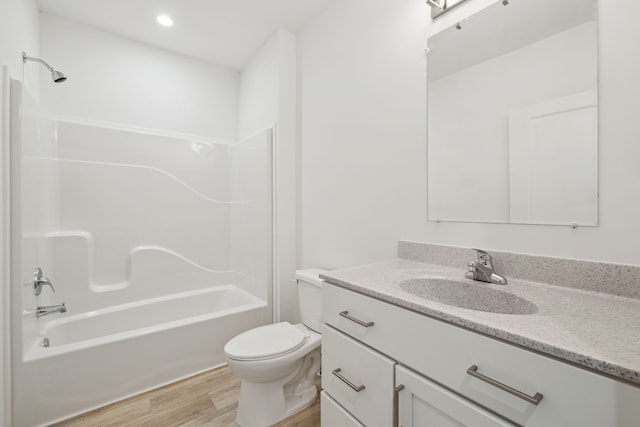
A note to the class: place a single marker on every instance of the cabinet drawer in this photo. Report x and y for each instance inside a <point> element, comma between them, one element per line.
<point>358,378</point>
<point>444,353</point>
<point>357,315</point>
<point>334,415</point>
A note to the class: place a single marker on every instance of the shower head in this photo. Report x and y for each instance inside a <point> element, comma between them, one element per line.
<point>57,76</point>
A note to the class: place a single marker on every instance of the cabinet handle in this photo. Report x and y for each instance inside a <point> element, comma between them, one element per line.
<point>535,399</point>
<point>357,388</point>
<point>396,404</point>
<point>353,319</point>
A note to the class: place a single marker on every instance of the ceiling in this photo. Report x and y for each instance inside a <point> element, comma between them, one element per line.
<point>223,32</point>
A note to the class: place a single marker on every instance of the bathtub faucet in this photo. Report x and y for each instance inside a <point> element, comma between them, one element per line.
<point>39,281</point>
<point>45,310</point>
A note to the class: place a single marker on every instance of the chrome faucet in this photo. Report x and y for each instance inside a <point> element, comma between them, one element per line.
<point>482,269</point>
<point>39,281</point>
<point>45,310</point>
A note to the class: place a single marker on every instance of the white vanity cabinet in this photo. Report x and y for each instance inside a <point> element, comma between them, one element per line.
<point>460,373</point>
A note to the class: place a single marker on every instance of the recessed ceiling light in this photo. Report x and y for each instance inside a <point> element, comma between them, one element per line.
<point>164,20</point>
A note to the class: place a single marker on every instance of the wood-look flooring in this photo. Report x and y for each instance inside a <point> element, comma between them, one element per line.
<point>208,400</point>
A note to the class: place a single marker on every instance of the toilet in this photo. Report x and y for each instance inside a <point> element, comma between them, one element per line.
<point>278,363</point>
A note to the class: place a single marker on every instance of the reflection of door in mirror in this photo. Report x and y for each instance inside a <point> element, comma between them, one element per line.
<point>513,115</point>
<point>553,161</point>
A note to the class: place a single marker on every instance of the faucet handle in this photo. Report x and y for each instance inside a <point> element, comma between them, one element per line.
<point>39,281</point>
<point>484,257</point>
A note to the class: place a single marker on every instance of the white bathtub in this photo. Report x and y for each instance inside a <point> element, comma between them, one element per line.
<point>102,356</point>
<point>125,321</point>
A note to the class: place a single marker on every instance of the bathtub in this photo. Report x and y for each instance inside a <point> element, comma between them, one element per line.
<point>103,356</point>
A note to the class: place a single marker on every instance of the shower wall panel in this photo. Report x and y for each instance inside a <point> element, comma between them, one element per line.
<point>34,204</point>
<point>143,213</point>
<point>133,214</point>
<point>115,215</point>
<point>251,218</point>
<point>201,164</point>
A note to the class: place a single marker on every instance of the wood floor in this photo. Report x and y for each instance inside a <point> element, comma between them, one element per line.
<point>209,399</point>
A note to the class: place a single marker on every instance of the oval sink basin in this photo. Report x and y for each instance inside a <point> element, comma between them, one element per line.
<point>469,295</point>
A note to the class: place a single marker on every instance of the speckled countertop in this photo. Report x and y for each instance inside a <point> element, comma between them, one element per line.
<point>592,329</point>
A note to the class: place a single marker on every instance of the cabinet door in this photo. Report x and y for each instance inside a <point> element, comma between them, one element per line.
<point>423,403</point>
<point>334,415</point>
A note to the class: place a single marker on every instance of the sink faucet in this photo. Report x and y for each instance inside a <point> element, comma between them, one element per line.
<point>45,310</point>
<point>482,269</point>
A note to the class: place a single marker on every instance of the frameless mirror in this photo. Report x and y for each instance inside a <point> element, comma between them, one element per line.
<point>513,115</point>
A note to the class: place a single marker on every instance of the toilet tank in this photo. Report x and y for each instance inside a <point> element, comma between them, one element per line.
<point>310,297</point>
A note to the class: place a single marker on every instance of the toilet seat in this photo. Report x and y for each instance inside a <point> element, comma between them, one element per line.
<point>265,342</point>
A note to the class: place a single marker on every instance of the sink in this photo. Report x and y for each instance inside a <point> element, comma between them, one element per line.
<point>470,295</point>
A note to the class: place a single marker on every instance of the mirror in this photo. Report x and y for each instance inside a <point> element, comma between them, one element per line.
<point>513,115</point>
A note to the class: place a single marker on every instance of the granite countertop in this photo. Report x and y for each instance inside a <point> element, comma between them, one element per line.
<point>591,329</point>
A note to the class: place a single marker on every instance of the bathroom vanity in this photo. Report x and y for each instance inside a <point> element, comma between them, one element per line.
<point>393,356</point>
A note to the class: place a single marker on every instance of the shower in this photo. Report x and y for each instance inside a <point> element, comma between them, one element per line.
<point>56,75</point>
<point>158,242</point>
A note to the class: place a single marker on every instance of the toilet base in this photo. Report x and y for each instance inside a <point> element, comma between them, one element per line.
<point>264,404</point>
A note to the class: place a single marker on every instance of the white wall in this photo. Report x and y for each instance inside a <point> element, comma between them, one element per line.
<point>363,110</point>
<point>364,142</point>
<point>19,32</point>
<point>19,22</point>
<point>268,97</point>
<point>258,93</point>
<point>115,79</point>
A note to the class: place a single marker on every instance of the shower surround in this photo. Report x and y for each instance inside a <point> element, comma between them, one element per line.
<point>159,244</point>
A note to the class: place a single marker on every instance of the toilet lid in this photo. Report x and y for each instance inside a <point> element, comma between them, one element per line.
<point>265,342</point>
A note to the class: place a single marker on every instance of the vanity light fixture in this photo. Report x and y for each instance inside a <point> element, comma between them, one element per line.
<point>439,4</point>
<point>165,20</point>
<point>438,7</point>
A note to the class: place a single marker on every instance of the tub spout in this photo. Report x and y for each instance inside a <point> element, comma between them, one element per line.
<point>45,310</point>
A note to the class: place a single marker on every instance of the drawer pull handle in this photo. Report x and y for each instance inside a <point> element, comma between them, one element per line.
<point>357,388</point>
<point>535,399</point>
<point>396,404</point>
<point>353,319</point>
